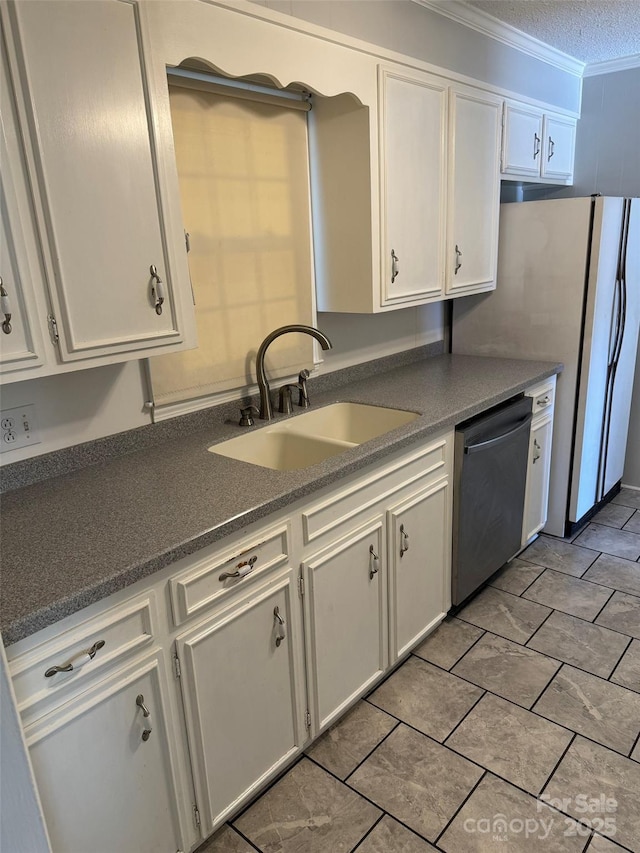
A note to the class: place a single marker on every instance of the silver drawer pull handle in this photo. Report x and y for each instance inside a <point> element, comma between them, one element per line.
<point>5,308</point>
<point>543,401</point>
<point>404,540</point>
<point>552,147</point>
<point>146,713</point>
<point>279,624</point>
<point>157,289</point>
<point>76,661</point>
<point>536,145</point>
<point>242,570</point>
<point>373,559</point>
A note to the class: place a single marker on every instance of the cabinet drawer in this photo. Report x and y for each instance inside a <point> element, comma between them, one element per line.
<point>543,396</point>
<point>87,649</point>
<point>214,578</point>
<point>340,512</point>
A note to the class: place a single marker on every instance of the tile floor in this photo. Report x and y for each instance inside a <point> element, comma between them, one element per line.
<point>514,726</point>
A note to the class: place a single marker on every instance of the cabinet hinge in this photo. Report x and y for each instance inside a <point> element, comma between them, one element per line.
<point>308,719</point>
<point>187,241</point>
<point>176,666</point>
<point>301,585</point>
<point>53,329</point>
<point>196,814</point>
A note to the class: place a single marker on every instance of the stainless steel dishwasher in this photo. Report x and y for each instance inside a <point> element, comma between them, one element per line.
<point>491,453</point>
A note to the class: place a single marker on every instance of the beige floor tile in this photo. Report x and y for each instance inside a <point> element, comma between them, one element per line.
<point>613,515</point>
<point>616,573</point>
<point>226,840</point>
<point>511,742</point>
<point>627,672</point>
<point>418,781</point>
<point>622,613</point>
<point>628,497</point>
<point>507,669</point>
<point>516,576</point>
<point>389,836</point>
<point>591,771</point>
<point>599,844</point>
<point>349,741</point>
<point>595,708</point>
<point>618,543</point>
<point>583,644</point>
<point>426,697</point>
<point>634,522</point>
<point>446,645</point>
<point>499,817</point>
<point>571,595</point>
<point>307,811</point>
<point>505,614</point>
<point>562,556</point>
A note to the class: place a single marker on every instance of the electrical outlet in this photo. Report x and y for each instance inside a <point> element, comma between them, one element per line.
<point>19,428</point>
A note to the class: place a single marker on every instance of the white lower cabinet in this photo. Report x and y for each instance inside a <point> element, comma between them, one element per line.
<point>271,635</point>
<point>419,566</point>
<point>345,598</point>
<point>105,771</point>
<point>539,465</point>
<point>242,689</point>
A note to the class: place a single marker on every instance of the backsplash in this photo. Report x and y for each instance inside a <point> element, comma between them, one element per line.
<point>28,471</point>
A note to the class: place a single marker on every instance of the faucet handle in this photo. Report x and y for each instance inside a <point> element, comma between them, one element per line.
<point>285,406</point>
<point>246,416</point>
<point>303,399</point>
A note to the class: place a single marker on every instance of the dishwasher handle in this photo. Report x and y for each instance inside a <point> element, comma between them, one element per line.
<point>493,442</point>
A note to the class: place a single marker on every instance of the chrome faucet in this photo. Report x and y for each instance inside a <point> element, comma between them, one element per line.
<point>266,410</point>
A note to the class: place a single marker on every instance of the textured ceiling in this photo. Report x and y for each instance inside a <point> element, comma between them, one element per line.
<point>589,30</point>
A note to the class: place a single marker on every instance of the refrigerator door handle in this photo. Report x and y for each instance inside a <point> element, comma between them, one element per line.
<point>621,316</point>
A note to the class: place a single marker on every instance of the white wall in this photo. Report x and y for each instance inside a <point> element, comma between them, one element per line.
<point>88,404</point>
<point>409,28</point>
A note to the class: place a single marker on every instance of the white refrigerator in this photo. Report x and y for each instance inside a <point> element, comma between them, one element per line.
<point>568,289</point>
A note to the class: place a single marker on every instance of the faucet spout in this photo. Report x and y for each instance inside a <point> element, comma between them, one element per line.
<point>266,410</point>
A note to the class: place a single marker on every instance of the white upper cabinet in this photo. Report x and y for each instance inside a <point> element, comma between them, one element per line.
<point>413,186</point>
<point>21,343</point>
<point>537,145</point>
<point>559,143</point>
<point>473,191</point>
<point>85,106</point>
<point>522,140</point>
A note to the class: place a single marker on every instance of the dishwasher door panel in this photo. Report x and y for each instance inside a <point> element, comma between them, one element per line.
<point>491,454</point>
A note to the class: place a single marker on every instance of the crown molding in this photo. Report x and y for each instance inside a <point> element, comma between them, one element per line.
<point>609,66</point>
<point>486,24</point>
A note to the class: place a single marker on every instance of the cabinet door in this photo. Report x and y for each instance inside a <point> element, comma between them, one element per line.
<point>104,787</point>
<point>21,343</point>
<point>413,186</point>
<point>559,142</point>
<point>537,488</point>
<point>85,105</point>
<point>241,690</point>
<point>419,565</point>
<point>521,141</point>
<point>474,191</point>
<point>345,603</point>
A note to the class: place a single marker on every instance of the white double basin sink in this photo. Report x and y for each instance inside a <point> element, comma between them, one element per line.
<point>313,436</point>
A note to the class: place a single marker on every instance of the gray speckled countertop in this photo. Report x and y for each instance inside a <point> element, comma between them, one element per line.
<point>74,539</point>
